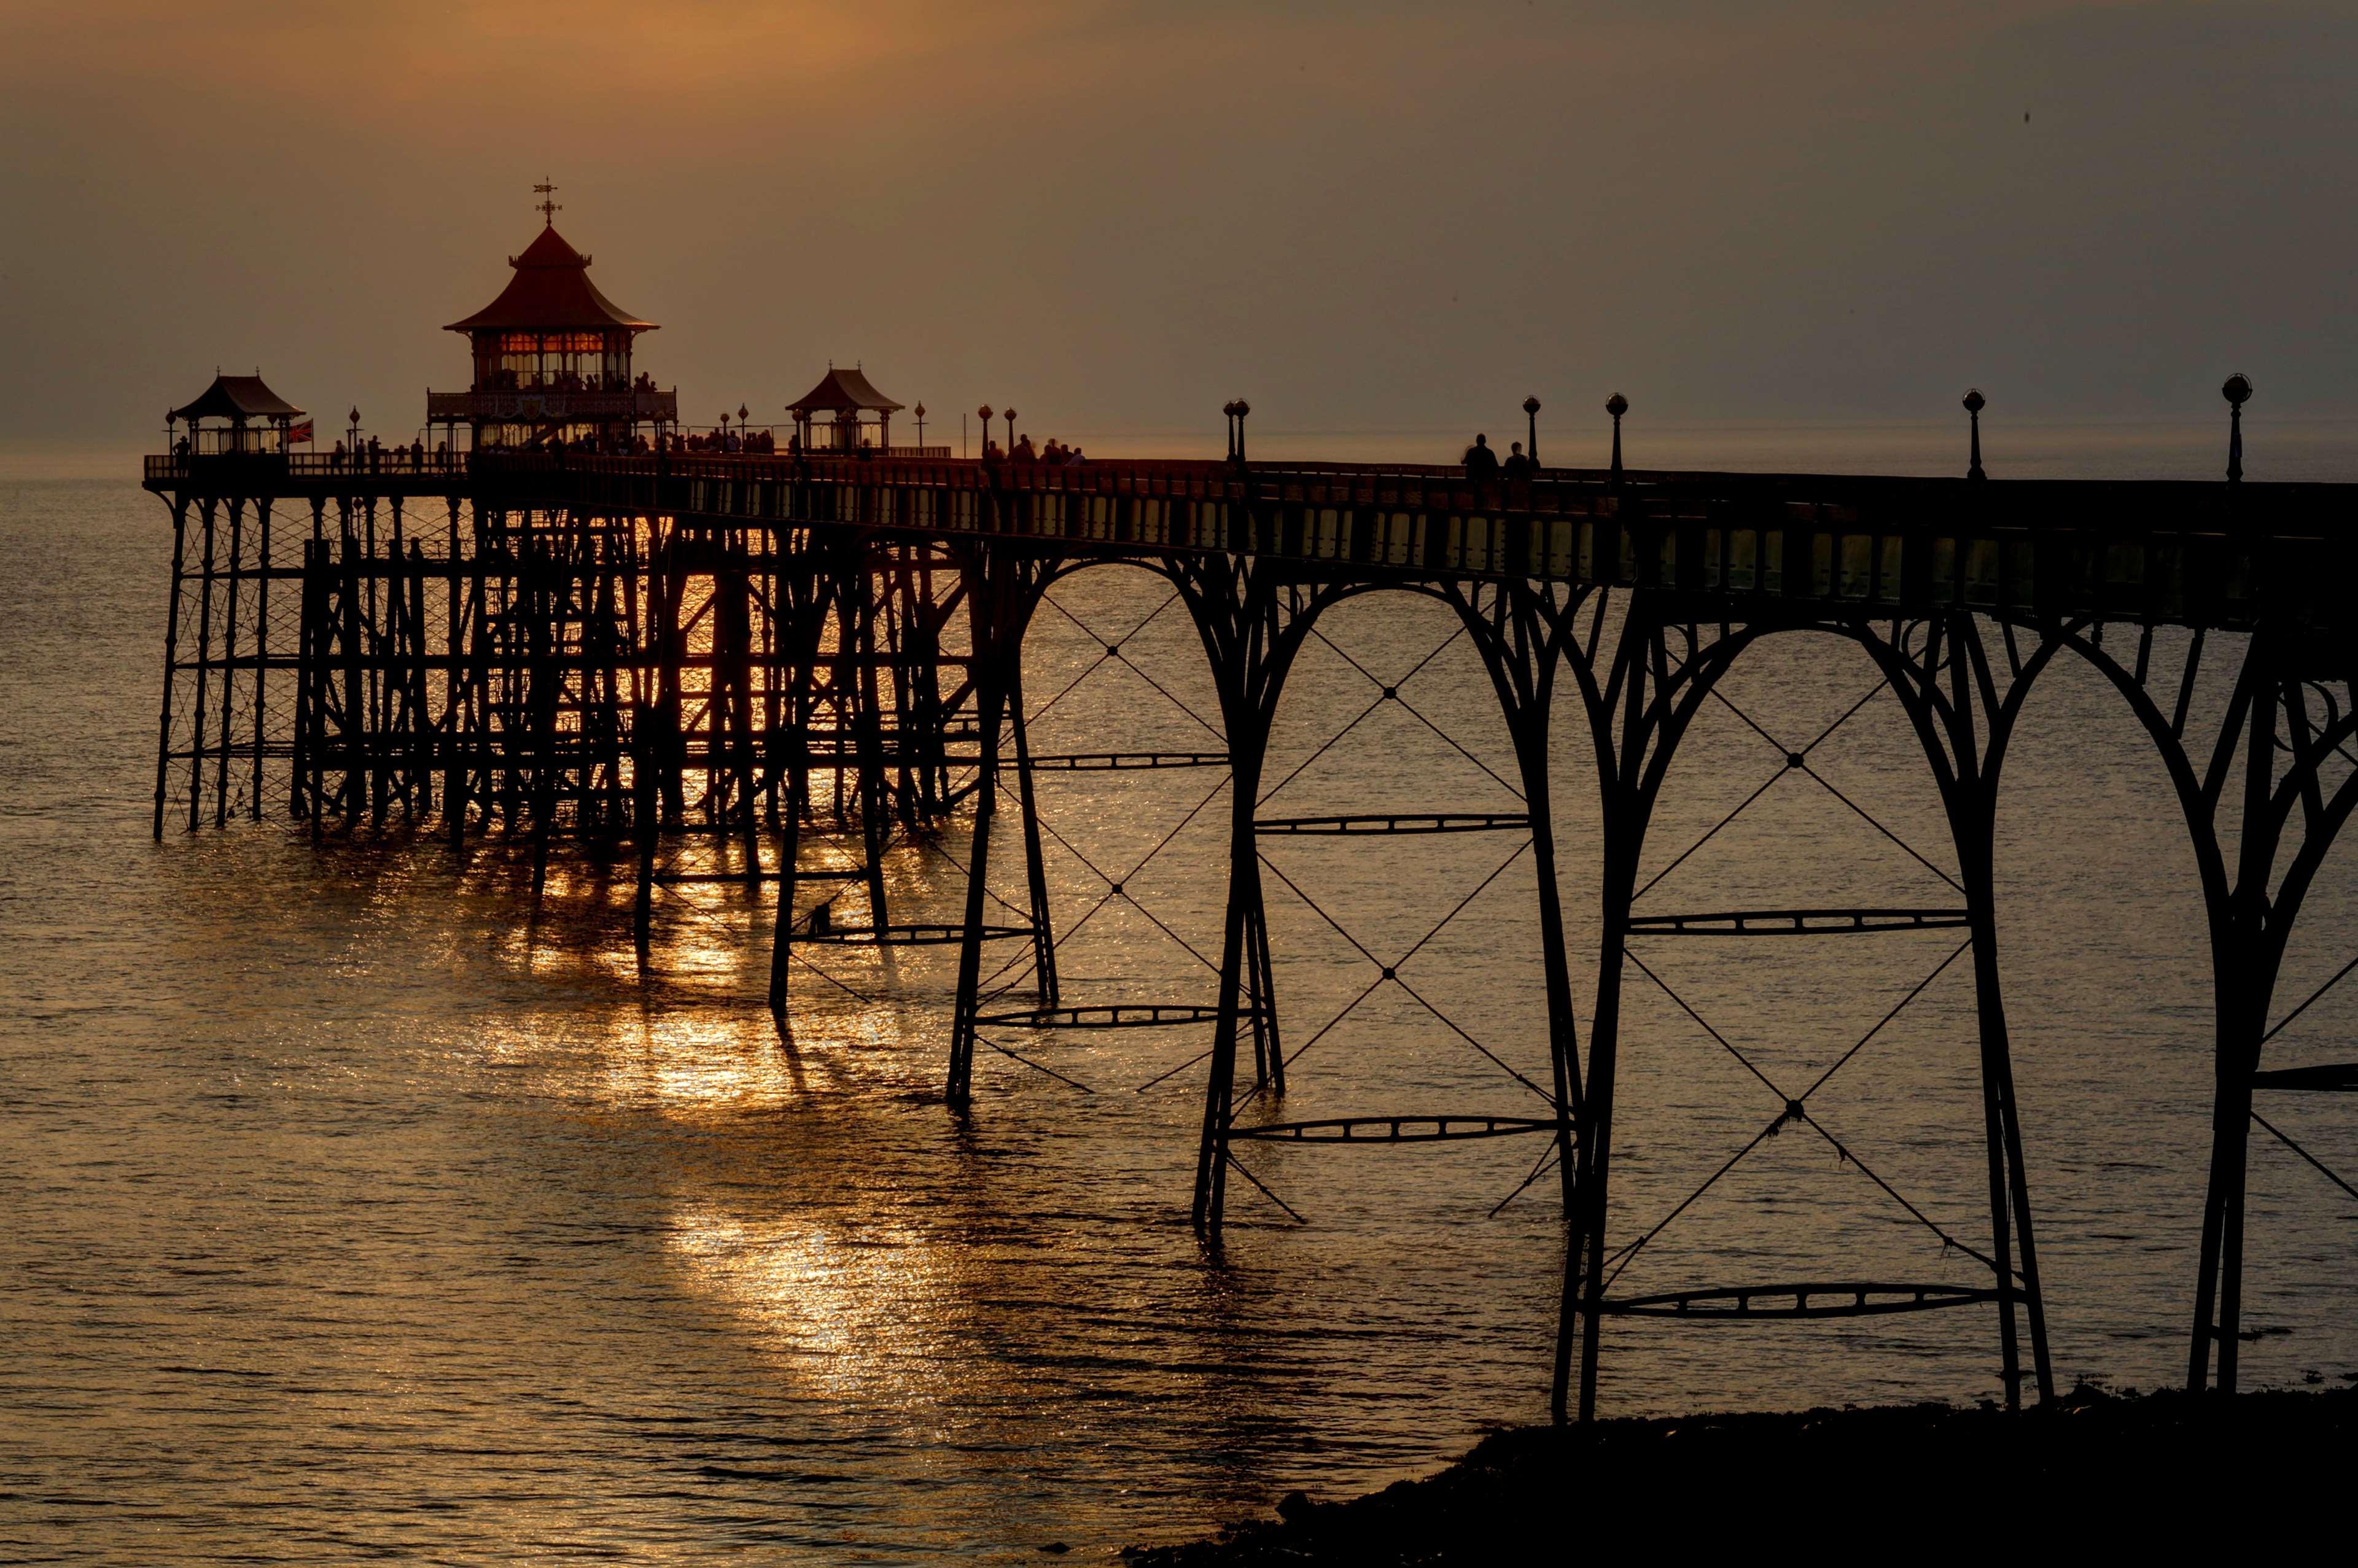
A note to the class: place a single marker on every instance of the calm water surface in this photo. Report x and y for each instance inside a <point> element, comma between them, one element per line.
<point>357,1207</point>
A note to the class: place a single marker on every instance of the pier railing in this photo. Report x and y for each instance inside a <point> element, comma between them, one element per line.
<point>250,473</point>
<point>2209,554</point>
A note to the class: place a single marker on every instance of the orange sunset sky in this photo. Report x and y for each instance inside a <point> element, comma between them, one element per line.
<point>1362,215</point>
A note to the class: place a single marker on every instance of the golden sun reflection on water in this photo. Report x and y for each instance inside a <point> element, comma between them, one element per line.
<point>856,1315</point>
<point>686,1060</point>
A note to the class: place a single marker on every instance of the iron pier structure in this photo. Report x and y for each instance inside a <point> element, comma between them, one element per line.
<point>762,648</point>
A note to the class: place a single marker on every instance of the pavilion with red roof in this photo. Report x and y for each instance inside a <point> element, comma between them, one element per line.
<point>247,417</point>
<point>552,359</point>
<point>858,415</point>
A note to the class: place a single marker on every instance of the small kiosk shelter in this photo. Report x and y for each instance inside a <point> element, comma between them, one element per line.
<point>237,414</point>
<point>849,401</point>
<point>552,359</point>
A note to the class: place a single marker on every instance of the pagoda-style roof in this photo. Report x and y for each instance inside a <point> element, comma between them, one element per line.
<point>842,392</point>
<point>551,291</point>
<point>237,398</point>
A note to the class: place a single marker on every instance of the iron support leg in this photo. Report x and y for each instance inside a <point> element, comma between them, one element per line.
<point>789,850</point>
<point>647,824</point>
<point>1560,1059</point>
<point>1043,936</point>
<point>261,653</point>
<point>737,611</point>
<point>171,655</point>
<point>1595,1142</point>
<point>959,1088</point>
<point>204,660</point>
<point>2218,1290</point>
<point>228,660</point>
<point>868,732</point>
<point>1244,892</point>
<point>1269,1048</point>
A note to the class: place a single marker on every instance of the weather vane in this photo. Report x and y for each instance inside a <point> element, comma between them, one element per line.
<point>547,209</point>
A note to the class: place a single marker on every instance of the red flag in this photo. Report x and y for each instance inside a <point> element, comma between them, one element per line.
<point>299,433</point>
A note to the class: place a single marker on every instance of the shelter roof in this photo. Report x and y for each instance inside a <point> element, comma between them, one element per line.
<point>842,391</point>
<point>237,397</point>
<point>551,291</point>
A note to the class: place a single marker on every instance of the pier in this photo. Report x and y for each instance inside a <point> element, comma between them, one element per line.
<point>564,623</point>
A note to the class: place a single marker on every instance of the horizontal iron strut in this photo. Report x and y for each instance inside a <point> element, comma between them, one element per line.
<point>2341,1077</point>
<point>1117,1015</point>
<point>908,935</point>
<point>1431,822</point>
<point>1392,1130</point>
<point>1102,762</point>
<point>1837,1300</point>
<point>1795,922</point>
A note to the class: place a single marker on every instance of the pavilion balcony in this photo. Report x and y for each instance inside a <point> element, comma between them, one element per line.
<point>549,406</point>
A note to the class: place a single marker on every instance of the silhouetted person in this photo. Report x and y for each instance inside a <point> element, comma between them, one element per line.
<point>1517,466</point>
<point>1480,462</point>
<point>1025,452</point>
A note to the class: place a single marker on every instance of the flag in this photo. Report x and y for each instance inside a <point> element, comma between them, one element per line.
<point>299,433</point>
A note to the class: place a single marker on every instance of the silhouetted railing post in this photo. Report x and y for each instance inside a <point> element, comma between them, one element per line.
<point>2237,392</point>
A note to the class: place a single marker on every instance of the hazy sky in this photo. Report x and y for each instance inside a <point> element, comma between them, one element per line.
<point>1360,216</point>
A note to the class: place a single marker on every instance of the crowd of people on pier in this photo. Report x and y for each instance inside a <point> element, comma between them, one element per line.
<point>759,443</point>
<point>1055,454</point>
<point>1482,461</point>
<point>373,457</point>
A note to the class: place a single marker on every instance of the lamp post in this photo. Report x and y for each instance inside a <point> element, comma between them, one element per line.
<point>1009,418</point>
<point>1975,404</point>
<point>1531,414</point>
<point>920,412</point>
<point>2237,392</point>
<point>741,420</point>
<point>1617,406</point>
<point>986,414</point>
<point>353,446</point>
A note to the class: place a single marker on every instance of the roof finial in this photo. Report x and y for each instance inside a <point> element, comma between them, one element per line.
<point>547,209</point>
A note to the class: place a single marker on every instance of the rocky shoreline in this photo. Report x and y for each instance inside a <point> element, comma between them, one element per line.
<point>2089,1471</point>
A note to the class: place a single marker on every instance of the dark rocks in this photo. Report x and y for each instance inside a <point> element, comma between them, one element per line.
<point>2165,1470</point>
